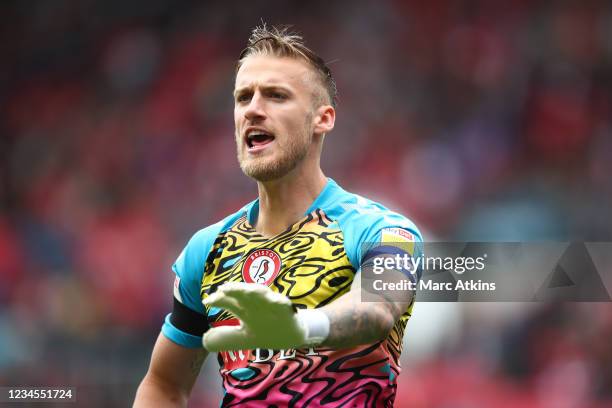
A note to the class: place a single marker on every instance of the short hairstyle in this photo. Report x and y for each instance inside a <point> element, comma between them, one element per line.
<point>279,42</point>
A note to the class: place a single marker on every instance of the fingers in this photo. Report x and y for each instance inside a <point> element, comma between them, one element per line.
<point>275,297</point>
<point>222,300</point>
<point>247,293</point>
<point>225,338</point>
<point>254,292</point>
<point>250,301</point>
<point>237,297</point>
<point>243,290</point>
<point>260,310</point>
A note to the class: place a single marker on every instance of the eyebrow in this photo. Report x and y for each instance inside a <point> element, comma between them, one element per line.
<point>243,89</point>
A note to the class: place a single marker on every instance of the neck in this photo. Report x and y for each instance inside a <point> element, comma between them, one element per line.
<point>284,201</point>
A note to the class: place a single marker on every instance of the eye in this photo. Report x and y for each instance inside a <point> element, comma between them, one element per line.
<point>278,95</point>
<point>244,97</point>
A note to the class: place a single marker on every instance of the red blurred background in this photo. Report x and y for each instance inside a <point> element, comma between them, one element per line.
<point>479,120</point>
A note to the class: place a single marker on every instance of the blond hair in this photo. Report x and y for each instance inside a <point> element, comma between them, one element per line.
<point>279,42</point>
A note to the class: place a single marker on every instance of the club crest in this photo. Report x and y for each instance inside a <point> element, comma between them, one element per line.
<point>261,266</point>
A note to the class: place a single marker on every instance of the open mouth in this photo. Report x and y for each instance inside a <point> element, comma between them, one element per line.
<point>256,139</point>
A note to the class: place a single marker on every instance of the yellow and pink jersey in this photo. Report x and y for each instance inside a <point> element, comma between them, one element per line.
<point>313,263</point>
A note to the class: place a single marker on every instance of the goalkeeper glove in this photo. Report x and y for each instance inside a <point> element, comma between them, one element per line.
<point>268,320</point>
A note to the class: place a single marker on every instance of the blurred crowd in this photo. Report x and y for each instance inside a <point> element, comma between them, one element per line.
<point>479,120</point>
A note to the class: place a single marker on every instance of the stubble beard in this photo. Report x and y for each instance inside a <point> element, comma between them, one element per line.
<point>286,159</point>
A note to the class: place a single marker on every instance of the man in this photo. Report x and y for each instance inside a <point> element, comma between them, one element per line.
<point>274,287</point>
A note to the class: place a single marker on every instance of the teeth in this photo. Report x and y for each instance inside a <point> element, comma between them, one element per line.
<point>253,133</point>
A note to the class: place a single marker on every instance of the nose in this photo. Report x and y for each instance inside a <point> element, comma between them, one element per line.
<point>255,109</point>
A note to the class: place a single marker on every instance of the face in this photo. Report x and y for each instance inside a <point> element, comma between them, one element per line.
<point>273,114</point>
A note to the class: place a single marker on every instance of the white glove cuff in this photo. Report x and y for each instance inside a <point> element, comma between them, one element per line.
<point>315,324</point>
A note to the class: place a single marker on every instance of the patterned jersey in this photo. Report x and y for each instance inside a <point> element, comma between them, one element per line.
<point>313,263</point>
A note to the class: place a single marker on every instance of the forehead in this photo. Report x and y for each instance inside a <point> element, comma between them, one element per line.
<point>270,70</point>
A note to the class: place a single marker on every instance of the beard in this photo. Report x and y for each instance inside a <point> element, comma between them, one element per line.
<point>288,155</point>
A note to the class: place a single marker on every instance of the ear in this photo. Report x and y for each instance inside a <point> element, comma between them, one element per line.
<point>324,119</point>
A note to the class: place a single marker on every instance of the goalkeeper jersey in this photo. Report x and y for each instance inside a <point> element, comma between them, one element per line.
<point>313,263</point>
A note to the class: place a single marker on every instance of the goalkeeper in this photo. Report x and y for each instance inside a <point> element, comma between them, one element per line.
<point>274,287</point>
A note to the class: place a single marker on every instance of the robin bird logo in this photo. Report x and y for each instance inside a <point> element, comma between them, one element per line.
<point>262,271</point>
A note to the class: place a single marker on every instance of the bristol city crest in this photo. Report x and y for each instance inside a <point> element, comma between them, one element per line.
<point>261,266</point>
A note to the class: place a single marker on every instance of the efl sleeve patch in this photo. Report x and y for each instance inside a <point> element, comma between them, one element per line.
<point>406,239</point>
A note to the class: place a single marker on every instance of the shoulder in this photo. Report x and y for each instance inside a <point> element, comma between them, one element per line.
<point>190,265</point>
<point>364,221</point>
<point>205,237</point>
<point>192,258</point>
<point>361,215</point>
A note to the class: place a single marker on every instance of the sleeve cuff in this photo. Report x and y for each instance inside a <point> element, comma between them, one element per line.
<point>180,337</point>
